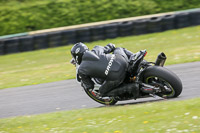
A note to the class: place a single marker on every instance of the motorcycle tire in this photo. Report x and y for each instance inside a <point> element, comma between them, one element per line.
<point>99,100</point>
<point>166,77</point>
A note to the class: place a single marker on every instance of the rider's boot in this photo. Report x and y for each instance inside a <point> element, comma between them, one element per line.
<point>134,61</point>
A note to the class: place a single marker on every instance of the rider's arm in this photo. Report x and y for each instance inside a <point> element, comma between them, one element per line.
<point>86,82</point>
<point>128,53</point>
<point>98,50</point>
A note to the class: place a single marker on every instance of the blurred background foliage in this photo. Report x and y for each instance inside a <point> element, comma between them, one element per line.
<point>18,16</point>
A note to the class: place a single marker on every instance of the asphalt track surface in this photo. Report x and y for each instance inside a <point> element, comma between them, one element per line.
<point>68,94</point>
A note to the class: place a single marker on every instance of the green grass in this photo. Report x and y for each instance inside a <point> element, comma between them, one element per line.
<point>52,64</point>
<point>154,117</point>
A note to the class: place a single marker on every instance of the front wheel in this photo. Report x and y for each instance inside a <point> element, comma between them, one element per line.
<point>93,95</point>
<point>167,81</point>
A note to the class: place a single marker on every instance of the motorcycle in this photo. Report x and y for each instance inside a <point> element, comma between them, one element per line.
<point>152,77</point>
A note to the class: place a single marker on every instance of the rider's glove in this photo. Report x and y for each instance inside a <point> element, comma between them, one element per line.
<point>109,48</point>
<point>73,61</point>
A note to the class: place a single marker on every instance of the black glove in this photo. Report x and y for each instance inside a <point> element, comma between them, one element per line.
<point>73,62</point>
<point>109,48</point>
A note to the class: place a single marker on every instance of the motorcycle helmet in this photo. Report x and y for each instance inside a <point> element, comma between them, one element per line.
<point>77,51</point>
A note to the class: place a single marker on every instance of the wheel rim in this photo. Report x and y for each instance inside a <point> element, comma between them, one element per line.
<point>154,80</point>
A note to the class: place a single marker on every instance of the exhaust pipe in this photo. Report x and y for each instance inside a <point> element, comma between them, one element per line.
<point>160,61</point>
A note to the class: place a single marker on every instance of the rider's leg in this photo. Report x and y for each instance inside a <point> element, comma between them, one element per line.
<point>131,88</point>
<point>108,86</point>
<point>121,51</point>
<point>130,57</point>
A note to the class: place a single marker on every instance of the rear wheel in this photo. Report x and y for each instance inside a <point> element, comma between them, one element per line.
<point>93,95</point>
<point>168,82</point>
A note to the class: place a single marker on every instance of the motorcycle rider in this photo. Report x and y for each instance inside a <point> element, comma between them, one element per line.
<point>109,69</point>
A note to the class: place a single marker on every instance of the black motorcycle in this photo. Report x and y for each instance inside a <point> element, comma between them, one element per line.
<point>153,79</point>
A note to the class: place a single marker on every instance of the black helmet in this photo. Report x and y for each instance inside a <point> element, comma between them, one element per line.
<point>77,51</point>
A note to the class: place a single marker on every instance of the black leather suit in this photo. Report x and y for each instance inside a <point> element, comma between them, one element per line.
<point>109,68</point>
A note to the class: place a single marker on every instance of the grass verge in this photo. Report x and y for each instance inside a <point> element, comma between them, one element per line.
<point>52,64</point>
<point>155,117</point>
